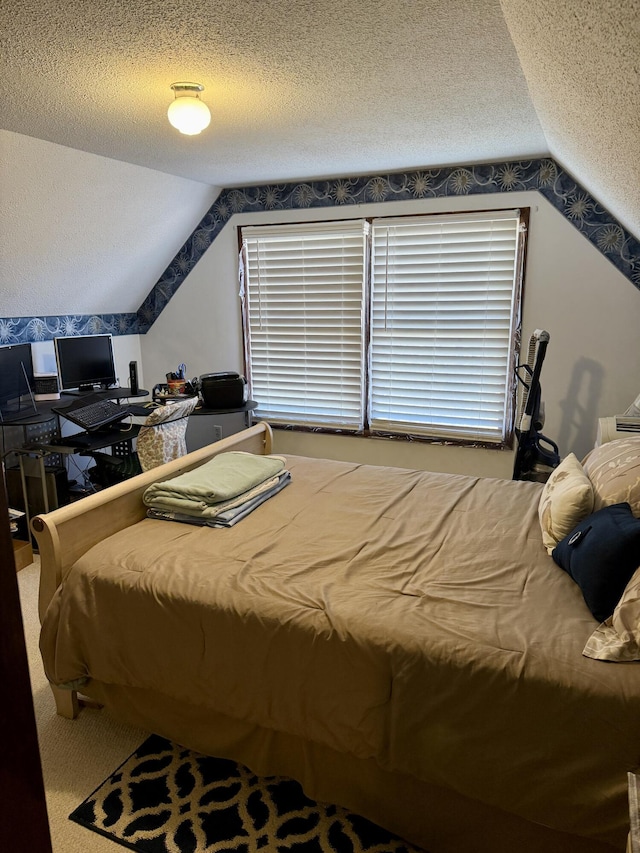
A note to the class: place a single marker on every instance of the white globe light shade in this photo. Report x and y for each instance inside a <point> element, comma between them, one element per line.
<point>189,114</point>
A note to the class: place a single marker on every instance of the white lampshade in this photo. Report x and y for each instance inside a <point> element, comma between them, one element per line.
<point>187,113</point>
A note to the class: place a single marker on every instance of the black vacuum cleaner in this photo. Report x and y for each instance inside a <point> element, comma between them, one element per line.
<point>536,455</point>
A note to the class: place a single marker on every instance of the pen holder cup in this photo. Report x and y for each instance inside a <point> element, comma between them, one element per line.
<point>176,386</point>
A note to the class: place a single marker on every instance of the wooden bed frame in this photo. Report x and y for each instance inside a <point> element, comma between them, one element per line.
<point>437,819</point>
<point>67,533</point>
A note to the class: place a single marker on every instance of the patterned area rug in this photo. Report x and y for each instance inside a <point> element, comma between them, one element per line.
<point>167,799</point>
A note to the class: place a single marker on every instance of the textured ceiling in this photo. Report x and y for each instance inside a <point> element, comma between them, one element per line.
<point>297,88</point>
<point>581,60</point>
<point>315,88</point>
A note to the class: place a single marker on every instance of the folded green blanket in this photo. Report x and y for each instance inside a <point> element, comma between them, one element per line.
<point>222,478</point>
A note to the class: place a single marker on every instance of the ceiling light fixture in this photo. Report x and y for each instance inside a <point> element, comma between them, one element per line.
<point>188,113</point>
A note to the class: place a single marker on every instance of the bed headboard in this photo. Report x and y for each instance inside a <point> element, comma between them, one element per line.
<point>68,532</point>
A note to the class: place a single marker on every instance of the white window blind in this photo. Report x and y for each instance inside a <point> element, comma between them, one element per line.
<point>442,316</point>
<point>304,321</point>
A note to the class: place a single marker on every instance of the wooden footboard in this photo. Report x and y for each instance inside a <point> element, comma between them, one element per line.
<point>67,533</point>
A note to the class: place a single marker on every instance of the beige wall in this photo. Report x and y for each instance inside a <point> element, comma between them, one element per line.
<point>592,312</point>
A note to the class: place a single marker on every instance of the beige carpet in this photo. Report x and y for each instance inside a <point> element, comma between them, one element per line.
<point>77,755</point>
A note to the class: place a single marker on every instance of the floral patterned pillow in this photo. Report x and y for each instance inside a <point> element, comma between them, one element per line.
<point>162,438</point>
<point>618,638</point>
<point>567,498</point>
<point>614,471</point>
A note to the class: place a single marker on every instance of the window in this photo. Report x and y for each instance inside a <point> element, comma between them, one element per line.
<point>398,325</point>
<point>305,287</point>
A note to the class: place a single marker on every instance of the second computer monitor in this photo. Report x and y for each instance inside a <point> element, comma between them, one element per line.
<point>16,377</point>
<point>85,362</point>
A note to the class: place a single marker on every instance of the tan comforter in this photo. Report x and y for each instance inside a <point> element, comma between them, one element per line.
<point>411,617</point>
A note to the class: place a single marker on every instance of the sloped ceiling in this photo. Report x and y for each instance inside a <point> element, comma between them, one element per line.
<point>581,61</point>
<point>298,90</point>
<point>83,234</point>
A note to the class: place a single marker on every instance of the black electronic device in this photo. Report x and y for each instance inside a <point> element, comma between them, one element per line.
<point>16,380</point>
<point>133,377</point>
<point>536,455</point>
<point>45,386</point>
<point>93,415</point>
<point>223,390</point>
<point>55,483</point>
<point>85,362</point>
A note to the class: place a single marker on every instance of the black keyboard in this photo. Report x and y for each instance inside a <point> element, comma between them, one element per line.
<point>94,415</point>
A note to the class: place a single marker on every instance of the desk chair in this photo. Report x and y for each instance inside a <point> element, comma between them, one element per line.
<point>161,439</point>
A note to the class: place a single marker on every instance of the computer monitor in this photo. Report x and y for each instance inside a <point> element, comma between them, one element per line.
<point>16,379</point>
<point>84,362</point>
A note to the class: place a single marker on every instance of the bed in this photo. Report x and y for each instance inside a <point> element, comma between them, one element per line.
<point>398,641</point>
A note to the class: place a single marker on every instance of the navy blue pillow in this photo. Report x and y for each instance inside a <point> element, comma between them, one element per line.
<point>601,553</point>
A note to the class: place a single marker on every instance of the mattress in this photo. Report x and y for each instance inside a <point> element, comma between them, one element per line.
<point>407,617</point>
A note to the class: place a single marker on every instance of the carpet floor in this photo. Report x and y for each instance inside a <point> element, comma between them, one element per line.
<point>167,799</point>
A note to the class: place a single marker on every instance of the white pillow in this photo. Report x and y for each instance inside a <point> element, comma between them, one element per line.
<point>614,471</point>
<point>618,638</point>
<point>567,498</point>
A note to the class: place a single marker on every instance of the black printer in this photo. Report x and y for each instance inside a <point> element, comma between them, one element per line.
<point>223,390</point>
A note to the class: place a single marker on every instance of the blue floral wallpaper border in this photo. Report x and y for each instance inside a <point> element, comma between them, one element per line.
<point>33,329</point>
<point>543,175</point>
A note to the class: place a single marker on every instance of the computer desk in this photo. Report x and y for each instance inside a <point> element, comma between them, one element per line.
<point>247,408</point>
<point>79,442</point>
<point>142,410</point>
<point>43,410</point>
<point>86,442</point>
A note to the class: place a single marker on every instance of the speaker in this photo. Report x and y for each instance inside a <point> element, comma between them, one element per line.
<point>45,386</point>
<point>133,376</point>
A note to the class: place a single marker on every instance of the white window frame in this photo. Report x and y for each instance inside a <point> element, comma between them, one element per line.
<point>417,400</point>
